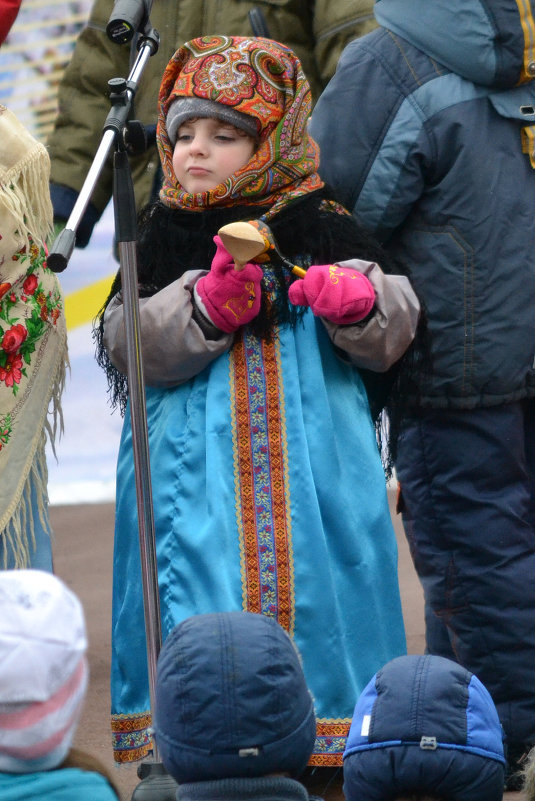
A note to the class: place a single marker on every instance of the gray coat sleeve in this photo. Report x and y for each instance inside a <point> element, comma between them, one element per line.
<point>383,339</point>
<point>174,347</point>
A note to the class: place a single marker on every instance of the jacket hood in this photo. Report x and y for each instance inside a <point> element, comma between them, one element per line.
<point>232,700</point>
<point>488,42</point>
<point>426,723</point>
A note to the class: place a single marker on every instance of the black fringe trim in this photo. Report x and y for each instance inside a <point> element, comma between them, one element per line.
<point>173,241</point>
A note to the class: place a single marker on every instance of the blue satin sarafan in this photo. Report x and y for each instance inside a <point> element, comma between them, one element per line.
<point>269,497</point>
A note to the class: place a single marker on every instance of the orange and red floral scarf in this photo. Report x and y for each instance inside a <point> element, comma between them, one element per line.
<point>260,78</point>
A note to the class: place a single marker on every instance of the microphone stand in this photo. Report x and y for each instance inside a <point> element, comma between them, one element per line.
<point>155,784</point>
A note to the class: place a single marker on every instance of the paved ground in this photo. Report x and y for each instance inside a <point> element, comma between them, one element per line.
<point>83,558</point>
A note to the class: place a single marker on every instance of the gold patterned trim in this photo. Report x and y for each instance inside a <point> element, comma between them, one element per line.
<point>261,479</point>
<point>528,29</point>
<point>131,737</point>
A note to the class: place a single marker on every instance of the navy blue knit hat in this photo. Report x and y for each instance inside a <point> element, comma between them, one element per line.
<point>231,700</point>
<point>424,723</point>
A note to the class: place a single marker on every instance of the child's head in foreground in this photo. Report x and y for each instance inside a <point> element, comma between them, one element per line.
<point>424,728</point>
<point>43,670</point>
<point>232,701</point>
<point>232,123</point>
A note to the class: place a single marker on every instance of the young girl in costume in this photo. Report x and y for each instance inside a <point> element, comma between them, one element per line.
<point>33,347</point>
<point>268,489</point>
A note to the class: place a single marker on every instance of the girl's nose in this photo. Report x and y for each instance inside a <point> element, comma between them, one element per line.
<point>198,144</point>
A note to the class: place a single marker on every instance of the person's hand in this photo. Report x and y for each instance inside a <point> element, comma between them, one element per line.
<point>339,294</point>
<point>230,297</point>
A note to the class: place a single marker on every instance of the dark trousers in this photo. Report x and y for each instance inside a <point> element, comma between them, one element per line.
<point>468,498</point>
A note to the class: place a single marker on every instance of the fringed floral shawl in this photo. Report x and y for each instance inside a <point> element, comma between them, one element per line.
<point>33,341</point>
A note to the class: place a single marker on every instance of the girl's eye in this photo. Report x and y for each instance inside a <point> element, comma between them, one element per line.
<point>225,138</point>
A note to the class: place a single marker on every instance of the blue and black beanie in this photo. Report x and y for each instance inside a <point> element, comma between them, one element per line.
<point>231,700</point>
<point>424,724</point>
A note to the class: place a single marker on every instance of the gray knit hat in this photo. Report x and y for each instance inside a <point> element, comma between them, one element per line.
<point>187,108</point>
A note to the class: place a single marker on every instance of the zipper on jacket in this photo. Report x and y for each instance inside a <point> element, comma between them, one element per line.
<point>344,25</point>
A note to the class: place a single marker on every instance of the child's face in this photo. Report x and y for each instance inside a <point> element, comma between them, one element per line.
<point>208,151</point>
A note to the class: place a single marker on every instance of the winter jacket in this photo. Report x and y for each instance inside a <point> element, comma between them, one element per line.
<point>435,116</point>
<point>316,31</point>
<point>63,784</point>
<point>265,788</point>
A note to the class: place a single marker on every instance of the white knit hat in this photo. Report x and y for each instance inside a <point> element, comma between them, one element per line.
<point>43,670</point>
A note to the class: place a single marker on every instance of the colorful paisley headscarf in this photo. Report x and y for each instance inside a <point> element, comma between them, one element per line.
<point>265,80</point>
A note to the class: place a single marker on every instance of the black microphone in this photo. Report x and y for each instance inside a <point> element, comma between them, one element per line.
<point>128,17</point>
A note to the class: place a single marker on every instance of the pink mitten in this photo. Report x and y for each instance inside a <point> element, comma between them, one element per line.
<point>339,294</point>
<point>231,297</point>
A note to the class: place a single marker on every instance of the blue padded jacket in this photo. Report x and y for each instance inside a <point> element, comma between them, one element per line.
<point>427,133</point>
